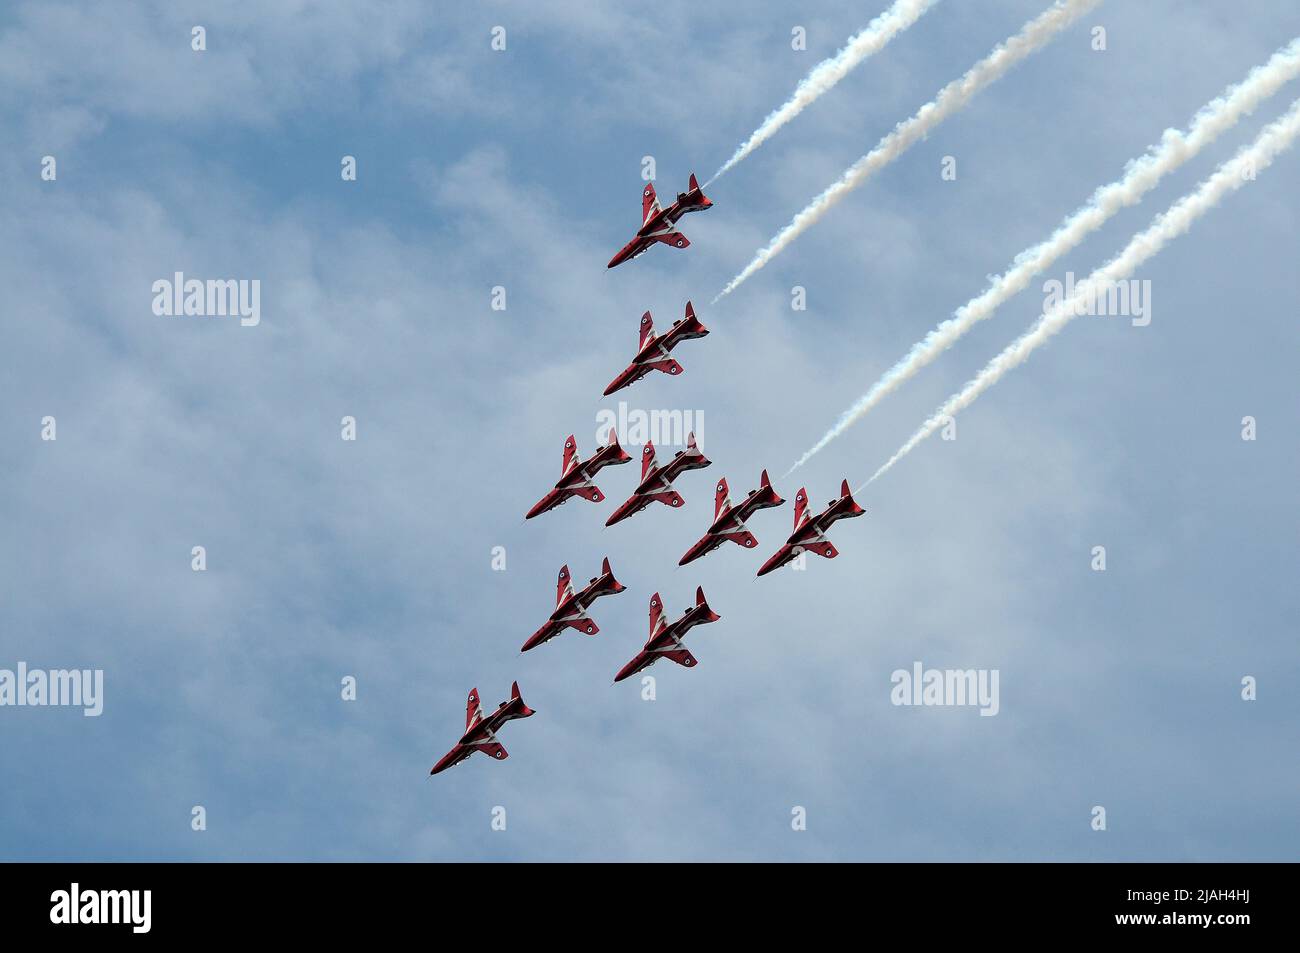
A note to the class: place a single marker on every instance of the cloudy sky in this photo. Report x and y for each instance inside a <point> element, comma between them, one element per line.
<point>373,558</point>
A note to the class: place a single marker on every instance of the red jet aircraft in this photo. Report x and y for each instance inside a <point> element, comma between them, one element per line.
<point>810,531</point>
<point>658,224</point>
<point>652,354</point>
<point>666,640</point>
<point>657,481</point>
<point>729,521</point>
<point>481,733</point>
<point>571,608</point>
<point>576,478</point>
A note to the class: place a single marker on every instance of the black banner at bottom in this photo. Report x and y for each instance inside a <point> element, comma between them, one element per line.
<point>336,901</point>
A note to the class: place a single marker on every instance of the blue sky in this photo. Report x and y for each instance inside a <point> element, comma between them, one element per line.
<point>372,558</point>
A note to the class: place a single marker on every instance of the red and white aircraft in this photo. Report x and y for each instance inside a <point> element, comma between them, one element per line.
<point>481,733</point>
<point>809,534</point>
<point>659,224</point>
<point>652,354</point>
<point>657,481</point>
<point>666,639</point>
<point>729,521</point>
<point>576,477</point>
<point>571,607</point>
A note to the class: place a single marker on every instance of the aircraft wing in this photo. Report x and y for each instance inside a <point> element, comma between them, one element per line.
<point>656,616</point>
<point>675,239</point>
<point>667,496</point>
<point>563,587</point>
<point>647,331</point>
<point>744,538</point>
<point>681,655</point>
<point>493,749</point>
<point>669,366</point>
<point>822,547</point>
<point>649,203</point>
<point>813,540</point>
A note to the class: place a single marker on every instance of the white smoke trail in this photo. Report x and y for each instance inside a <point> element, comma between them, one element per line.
<point>1032,36</point>
<point>1230,176</point>
<point>1140,177</point>
<point>828,72</point>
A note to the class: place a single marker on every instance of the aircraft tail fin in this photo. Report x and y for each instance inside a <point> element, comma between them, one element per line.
<point>693,457</point>
<point>614,585</point>
<point>696,195</point>
<point>524,710</point>
<point>609,455</point>
<point>702,603</point>
<point>615,450</point>
<point>765,496</point>
<point>691,327</point>
<point>854,508</point>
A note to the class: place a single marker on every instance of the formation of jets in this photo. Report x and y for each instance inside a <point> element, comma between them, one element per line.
<point>577,476</point>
